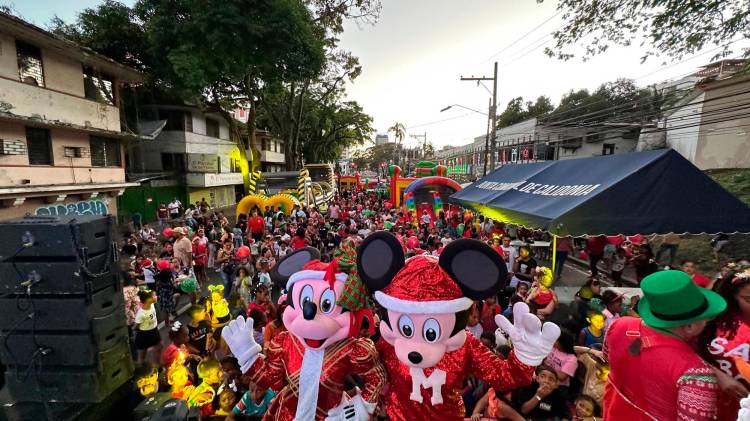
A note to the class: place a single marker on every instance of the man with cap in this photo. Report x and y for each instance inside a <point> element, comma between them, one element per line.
<point>183,248</point>
<point>655,373</point>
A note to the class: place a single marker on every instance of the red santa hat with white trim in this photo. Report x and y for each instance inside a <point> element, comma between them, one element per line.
<point>437,292</point>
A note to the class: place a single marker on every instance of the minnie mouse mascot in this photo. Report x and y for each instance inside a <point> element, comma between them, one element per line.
<point>309,362</point>
<point>424,346</point>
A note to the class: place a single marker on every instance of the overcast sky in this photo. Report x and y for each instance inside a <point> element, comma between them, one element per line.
<point>414,56</point>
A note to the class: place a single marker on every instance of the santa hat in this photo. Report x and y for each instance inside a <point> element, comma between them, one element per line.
<point>317,270</point>
<point>438,293</point>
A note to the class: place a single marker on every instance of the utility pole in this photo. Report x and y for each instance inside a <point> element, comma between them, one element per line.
<point>493,112</point>
<point>487,139</point>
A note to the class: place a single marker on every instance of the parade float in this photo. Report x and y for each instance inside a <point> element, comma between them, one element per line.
<point>285,202</point>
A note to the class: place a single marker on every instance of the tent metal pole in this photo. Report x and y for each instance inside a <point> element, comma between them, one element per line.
<point>554,254</point>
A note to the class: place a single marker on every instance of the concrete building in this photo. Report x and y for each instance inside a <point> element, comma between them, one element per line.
<point>710,126</point>
<point>192,158</point>
<point>381,139</point>
<point>272,157</point>
<point>60,128</point>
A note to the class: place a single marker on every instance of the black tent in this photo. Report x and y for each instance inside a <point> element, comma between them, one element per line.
<point>653,192</point>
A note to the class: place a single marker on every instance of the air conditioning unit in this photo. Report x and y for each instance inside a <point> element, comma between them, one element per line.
<point>73,151</point>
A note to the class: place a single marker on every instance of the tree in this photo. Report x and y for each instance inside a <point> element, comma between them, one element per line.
<point>674,28</point>
<point>518,111</point>
<point>618,101</point>
<point>399,132</point>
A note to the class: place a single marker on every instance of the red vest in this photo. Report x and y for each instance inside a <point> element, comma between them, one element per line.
<point>644,386</point>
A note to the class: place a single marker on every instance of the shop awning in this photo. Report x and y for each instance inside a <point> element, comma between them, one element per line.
<point>652,192</point>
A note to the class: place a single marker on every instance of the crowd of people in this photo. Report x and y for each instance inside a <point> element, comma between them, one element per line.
<point>178,261</point>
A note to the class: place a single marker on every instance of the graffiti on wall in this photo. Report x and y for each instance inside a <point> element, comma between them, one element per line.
<point>88,207</point>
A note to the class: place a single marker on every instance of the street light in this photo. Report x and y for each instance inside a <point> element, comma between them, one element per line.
<point>465,107</point>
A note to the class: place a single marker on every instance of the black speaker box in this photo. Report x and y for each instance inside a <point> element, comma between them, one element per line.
<point>172,410</point>
<point>150,405</point>
<point>51,276</point>
<point>70,350</point>
<point>66,384</point>
<point>62,237</point>
<point>59,313</point>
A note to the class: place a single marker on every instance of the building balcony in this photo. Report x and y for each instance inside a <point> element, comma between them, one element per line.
<point>273,157</point>
<point>32,101</point>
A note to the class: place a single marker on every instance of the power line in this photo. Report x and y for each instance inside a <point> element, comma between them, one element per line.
<point>439,121</point>
<point>521,38</point>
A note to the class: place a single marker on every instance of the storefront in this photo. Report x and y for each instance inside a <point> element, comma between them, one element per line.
<point>220,190</point>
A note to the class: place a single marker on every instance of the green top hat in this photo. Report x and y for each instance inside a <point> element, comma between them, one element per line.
<point>671,299</point>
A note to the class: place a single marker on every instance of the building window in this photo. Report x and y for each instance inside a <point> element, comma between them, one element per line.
<point>104,152</point>
<point>172,162</point>
<point>39,146</point>
<point>189,122</point>
<point>263,144</point>
<point>98,86</point>
<point>212,128</point>
<point>175,119</point>
<point>608,149</point>
<point>30,69</point>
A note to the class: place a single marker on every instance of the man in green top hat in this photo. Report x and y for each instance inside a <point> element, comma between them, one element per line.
<point>655,373</point>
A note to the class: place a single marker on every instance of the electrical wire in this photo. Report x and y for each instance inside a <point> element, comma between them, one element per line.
<point>514,43</point>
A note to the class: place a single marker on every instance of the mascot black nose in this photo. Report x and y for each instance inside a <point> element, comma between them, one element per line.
<point>415,357</point>
<point>309,309</point>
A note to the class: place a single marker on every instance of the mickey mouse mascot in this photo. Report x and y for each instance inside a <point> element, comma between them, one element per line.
<point>309,362</point>
<point>424,346</point>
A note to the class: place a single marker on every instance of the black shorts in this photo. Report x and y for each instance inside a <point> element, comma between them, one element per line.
<point>145,339</point>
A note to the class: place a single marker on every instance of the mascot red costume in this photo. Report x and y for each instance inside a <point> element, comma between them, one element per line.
<point>424,346</point>
<point>309,362</point>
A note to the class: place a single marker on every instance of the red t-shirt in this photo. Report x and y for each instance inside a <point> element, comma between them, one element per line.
<point>596,245</point>
<point>298,243</point>
<point>730,343</point>
<point>162,213</point>
<point>256,225</point>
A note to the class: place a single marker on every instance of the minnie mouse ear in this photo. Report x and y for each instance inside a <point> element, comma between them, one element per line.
<point>475,266</point>
<point>292,264</point>
<point>379,258</point>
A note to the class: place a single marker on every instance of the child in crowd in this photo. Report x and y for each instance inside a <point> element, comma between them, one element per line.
<point>275,326</point>
<point>147,335</point>
<point>224,402</point>
<point>200,342</point>
<point>472,321</point>
<point>594,332</point>
<point>487,315</point>
<point>260,319</point>
<point>585,409</point>
<point>619,260</point>
<point>563,360</point>
<point>254,402</point>
<point>244,286</point>
<point>262,301</point>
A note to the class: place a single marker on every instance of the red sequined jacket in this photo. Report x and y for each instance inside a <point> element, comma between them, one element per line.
<point>279,370</point>
<point>472,358</point>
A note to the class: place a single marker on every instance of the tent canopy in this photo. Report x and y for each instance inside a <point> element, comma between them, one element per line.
<point>652,192</point>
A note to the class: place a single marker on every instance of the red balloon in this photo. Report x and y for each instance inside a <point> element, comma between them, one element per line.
<point>359,208</point>
<point>243,252</point>
<point>388,205</point>
<point>168,232</point>
<point>163,264</point>
<point>413,242</point>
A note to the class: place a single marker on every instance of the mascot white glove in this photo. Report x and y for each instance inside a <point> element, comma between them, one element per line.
<point>351,409</point>
<point>238,335</point>
<point>744,414</point>
<point>532,342</point>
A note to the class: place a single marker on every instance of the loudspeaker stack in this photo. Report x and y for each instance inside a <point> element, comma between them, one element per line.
<point>63,335</point>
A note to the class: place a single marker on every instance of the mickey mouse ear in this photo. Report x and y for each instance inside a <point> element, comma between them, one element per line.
<point>292,264</point>
<point>379,258</point>
<point>475,266</point>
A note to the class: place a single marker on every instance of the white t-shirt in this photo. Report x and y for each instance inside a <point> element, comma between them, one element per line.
<point>511,253</point>
<point>146,319</point>
<point>425,218</point>
<point>618,263</point>
<point>174,207</point>
<point>333,210</point>
<point>189,213</point>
